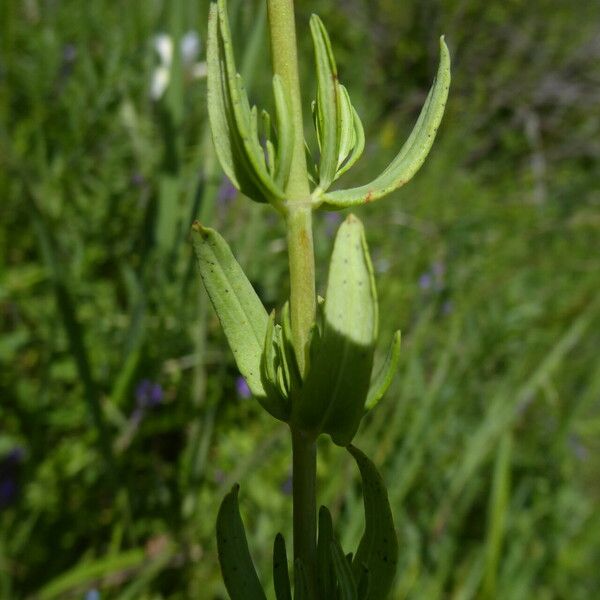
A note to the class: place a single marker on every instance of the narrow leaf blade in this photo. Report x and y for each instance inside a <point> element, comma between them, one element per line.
<point>239,574</point>
<point>327,102</point>
<point>242,314</point>
<point>325,575</point>
<point>285,132</point>
<point>276,403</point>
<point>300,581</point>
<point>412,155</point>
<point>343,572</point>
<point>385,376</point>
<point>378,548</point>
<point>217,103</point>
<point>281,575</point>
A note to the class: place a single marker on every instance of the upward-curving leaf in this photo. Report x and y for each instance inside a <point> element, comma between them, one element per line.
<point>237,567</point>
<point>385,376</point>
<point>281,575</point>
<point>343,572</point>
<point>325,571</point>
<point>339,130</point>
<point>334,392</point>
<point>410,158</point>
<point>378,548</point>
<point>242,314</point>
<point>234,123</point>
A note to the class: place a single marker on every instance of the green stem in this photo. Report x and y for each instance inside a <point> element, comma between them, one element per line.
<point>304,451</point>
<point>302,279</point>
<point>299,209</point>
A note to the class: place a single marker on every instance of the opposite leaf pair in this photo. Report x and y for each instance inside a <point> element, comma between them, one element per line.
<point>261,171</point>
<point>338,385</point>
<point>368,575</point>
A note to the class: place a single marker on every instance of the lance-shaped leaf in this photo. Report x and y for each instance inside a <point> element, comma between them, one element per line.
<point>234,123</point>
<point>242,314</point>
<point>334,393</point>
<point>281,575</point>
<point>285,132</point>
<point>326,109</point>
<point>300,581</point>
<point>413,153</point>
<point>385,375</point>
<point>269,365</point>
<point>325,571</point>
<point>343,572</point>
<point>352,135</point>
<point>378,548</point>
<point>339,130</point>
<point>239,574</point>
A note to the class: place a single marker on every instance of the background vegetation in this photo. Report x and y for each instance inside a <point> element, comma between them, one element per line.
<point>122,421</point>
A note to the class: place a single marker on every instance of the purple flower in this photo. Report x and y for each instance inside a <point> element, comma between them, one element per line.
<point>434,278</point>
<point>287,486</point>
<point>15,456</point>
<point>9,491</point>
<point>137,179</point>
<point>242,388</point>
<point>9,473</point>
<point>148,394</point>
<point>577,448</point>
<point>425,281</point>
<point>332,220</point>
<point>227,192</point>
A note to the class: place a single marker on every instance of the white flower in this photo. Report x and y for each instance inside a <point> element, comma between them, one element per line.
<point>189,48</point>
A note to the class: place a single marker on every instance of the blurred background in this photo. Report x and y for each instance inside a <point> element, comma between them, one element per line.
<point>123,421</point>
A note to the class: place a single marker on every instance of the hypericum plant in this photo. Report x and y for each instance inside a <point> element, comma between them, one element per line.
<point>313,370</point>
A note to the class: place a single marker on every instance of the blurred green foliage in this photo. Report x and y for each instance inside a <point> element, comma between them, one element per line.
<point>121,421</point>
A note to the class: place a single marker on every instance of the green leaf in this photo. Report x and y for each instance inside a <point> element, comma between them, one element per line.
<point>234,123</point>
<point>413,153</point>
<point>385,376</point>
<point>327,102</point>
<point>343,571</point>
<point>270,360</point>
<point>281,576</point>
<point>300,581</point>
<point>353,136</point>
<point>242,314</point>
<point>237,567</point>
<point>217,101</point>
<point>339,130</point>
<point>285,132</point>
<point>334,393</point>
<point>378,548</point>
<point>291,363</point>
<point>325,573</point>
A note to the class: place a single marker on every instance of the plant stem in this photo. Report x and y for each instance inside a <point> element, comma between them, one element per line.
<point>304,451</point>
<point>302,280</point>
<point>299,210</point>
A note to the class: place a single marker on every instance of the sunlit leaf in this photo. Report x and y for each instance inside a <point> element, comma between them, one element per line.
<point>336,386</point>
<point>234,123</point>
<point>240,311</point>
<point>385,376</point>
<point>339,131</point>
<point>413,153</point>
